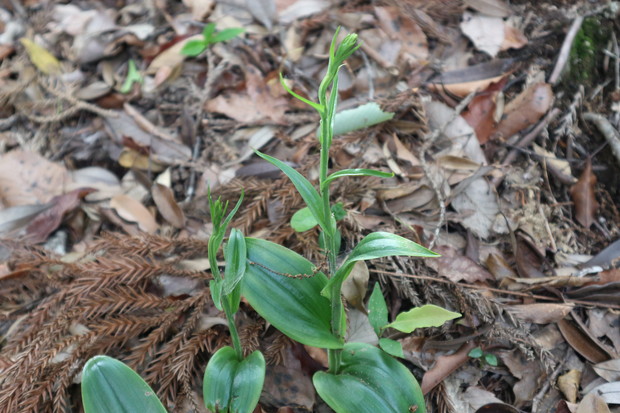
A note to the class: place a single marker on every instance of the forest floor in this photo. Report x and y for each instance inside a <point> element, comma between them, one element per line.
<point>503,143</point>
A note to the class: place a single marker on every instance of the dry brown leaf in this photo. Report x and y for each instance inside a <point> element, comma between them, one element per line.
<point>526,109</point>
<point>593,403</point>
<point>583,195</point>
<point>133,211</point>
<point>457,267</point>
<point>497,265</point>
<point>355,286</point>
<point>495,8</point>
<point>609,370</point>
<point>132,159</point>
<point>444,366</point>
<point>27,178</point>
<point>581,342</point>
<point>167,206</point>
<point>199,8</point>
<point>480,113</point>
<point>540,313</point>
<point>569,384</point>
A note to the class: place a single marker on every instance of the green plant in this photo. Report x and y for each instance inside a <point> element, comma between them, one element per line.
<point>209,37</point>
<point>133,76</point>
<point>483,357</point>
<point>306,304</point>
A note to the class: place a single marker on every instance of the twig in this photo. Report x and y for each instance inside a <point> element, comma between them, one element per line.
<point>565,50</point>
<point>430,139</point>
<point>527,139</point>
<point>497,290</point>
<point>550,379</point>
<point>611,135</point>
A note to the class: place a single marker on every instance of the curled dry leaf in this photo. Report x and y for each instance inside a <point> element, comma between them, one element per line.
<point>167,206</point>
<point>582,344</point>
<point>480,113</point>
<point>583,195</point>
<point>569,384</point>
<point>540,313</point>
<point>444,366</point>
<point>526,109</point>
<point>131,210</point>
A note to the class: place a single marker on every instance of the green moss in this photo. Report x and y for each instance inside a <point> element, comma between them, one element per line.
<point>586,53</point>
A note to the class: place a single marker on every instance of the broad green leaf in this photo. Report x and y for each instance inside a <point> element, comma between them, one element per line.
<point>475,353</point>
<point>428,315</point>
<point>369,381</point>
<point>133,76</point>
<point>358,172</point>
<point>109,385</point>
<point>293,305</point>
<point>235,255</point>
<point>490,359</point>
<point>377,245</point>
<point>338,211</point>
<point>207,33</point>
<point>226,34</point>
<point>215,287</point>
<point>305,189</point>
<point>194,48</point>
<point>303,220</point>
<point>377,310</point>
<point>392,347</point>
<point>233,385</point>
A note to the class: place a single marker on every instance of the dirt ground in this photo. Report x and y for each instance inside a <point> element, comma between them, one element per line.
<point>505,149</point>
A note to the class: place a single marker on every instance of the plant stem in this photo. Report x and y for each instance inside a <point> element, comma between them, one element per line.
<point>234,334</point>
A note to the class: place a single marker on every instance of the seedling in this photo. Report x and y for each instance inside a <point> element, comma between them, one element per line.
<point>209,36</point>
<point>483,357</point>
<point>133,76</point>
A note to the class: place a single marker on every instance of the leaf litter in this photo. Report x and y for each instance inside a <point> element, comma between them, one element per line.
<point>110,137</point>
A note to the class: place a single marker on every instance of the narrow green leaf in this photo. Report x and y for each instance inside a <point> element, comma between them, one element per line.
<point>303,220</point>
<point>109,385</point>
<point>392,347</point>
<point>235,255</point>
<point>194,48</point>
<point>293,305</point>
<point>358,172</point>
<point>316,106</point>
<point>305,189</point>
<point>428,315</point>
<point>377,245</point>
<point>369,381</point>
<point>227,34</point>
<point>233,385</point>
<point>207,33</point>
<point>475,353</point>
<point>377,310</point>
<point>133,76</point>
<point>215,287</point>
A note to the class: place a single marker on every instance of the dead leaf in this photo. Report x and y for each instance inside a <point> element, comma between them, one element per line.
<point>464,81</point>
<point>19,216</point>
<point>608,392</point>
<point>261,100</point>
<point>167,206</point>
<point>495,8</point>
<point>592,403</point>
<point>540,313</point>
<point>41,58</point>
<point>486,32</point>
<point>609,370</point>
<point>581,342</point>
<point>480,113</point>
<point>497,265</point>
<point>355,286</point>
<point>568,383</point>
<point>27,178</point>
<point>444,366</point>
<point>559,167</point>
<point>133,211</point>
<point>477,203</point>
<point>583,194</point>
<point>457,267</point>
<point>199,8</point>
<point>528,371</point>
<point>47,222</point>
<point>359,329</point>
<point>526,109</point>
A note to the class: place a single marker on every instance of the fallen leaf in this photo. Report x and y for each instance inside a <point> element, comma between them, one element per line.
<point>19,216</point>
<point>593,403</point>
<point>581,342</point>
<point>41,58</point>
<point>609,370</point>
<point>540,313</point>
<point>132,159</point>
<point>486,32</point>
<point>568,383</point>
<point>495,8</point>
<point>608,392</point>
<point>199,8</point>
<point>583,194</point>
<point>133,211</point>
<point>457,267</point>
<point>526,109</point>
<point>559,167</point>
<point>480,113</point>
<point>444,366</point>
<point>48,221</point>
<point>477,204</point>
<point>27,178</point>
<point>167,206</point>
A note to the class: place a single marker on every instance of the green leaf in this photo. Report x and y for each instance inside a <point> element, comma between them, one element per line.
<point>338,211</point>
<point>357,172</point>
<point>392,347</point>
<point>194,48</point>
<point>231,385</point>
<point>369,381</point>
<point>235,255</point>
<point>303,220</point>
<point>377,245</point>
<point>490,359</point>
<point>316,106</point>
<point>361,117</point>
<point>133,76</point>
<point>109,385</point>
<point>377,310</point>
<point>305,189</point>
<point>428,315</point>
<point>215,287</point>
<point>227,34</point>
<point>293,305</point>
<point>475,353</point>
<point>207,33</point>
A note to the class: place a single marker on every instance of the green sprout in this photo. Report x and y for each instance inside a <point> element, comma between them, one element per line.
<point>209,36</point>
